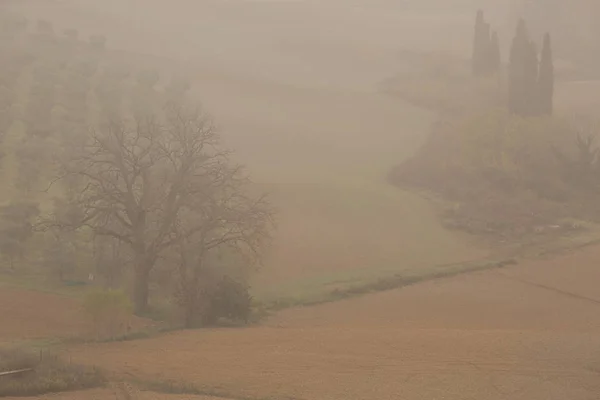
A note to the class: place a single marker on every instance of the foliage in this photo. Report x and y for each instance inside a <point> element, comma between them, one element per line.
<point>110,311</point>
<point>546,77</point>
<point>81,107</point>
<point>486,58</point>
<point>50,374</point>
<point>230,300</point>
<point>213,297</point>
<point>531,83</point>
<point>159,183</point>
<point>501,172</point>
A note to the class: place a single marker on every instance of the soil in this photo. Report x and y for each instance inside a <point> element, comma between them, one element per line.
<point>530,331</point>
<point>27,314</point>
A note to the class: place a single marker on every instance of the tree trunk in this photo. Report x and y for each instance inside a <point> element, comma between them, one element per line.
<point>140,288</point>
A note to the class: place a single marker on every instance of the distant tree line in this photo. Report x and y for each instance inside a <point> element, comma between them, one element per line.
<point>530,77</point>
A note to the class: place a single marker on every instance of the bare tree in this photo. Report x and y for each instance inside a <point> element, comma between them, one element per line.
<point>155,183</point>
<point>234,229</point>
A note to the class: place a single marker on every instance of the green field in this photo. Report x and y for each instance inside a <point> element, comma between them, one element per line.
<point>312,128</point>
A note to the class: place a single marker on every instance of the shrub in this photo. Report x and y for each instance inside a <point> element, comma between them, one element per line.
<point>216,298</point>
<point>499,171</point>
<point>230,300</point>
<point>110,311</point>
<point>50,374</point>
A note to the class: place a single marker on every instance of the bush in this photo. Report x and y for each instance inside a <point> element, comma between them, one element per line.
<point>500,172</point>
<point>230,300</point>
<point>216,298</point>
<point>50,374</point>
<point>110,311</point>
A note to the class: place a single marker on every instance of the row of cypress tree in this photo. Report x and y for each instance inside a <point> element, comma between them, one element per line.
<point>530,80</point>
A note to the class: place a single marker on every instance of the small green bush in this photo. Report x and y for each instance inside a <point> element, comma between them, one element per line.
<point>230,300</point>
<point>110,311</point>
<point>217,298</point>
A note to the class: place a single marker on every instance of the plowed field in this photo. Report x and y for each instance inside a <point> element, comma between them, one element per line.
<point>528,332</point>
<point>26,314</point>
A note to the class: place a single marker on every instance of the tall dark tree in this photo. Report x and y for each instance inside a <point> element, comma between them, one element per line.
<point>546,78</point>
<point>480,44</point>
<point>495,59</point>
<point>518,71</point>
<point>475,57</point>
<point>531,105</point>
<point>486,48</point>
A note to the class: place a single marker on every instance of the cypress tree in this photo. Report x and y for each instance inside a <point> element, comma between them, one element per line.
<point>476,60</point>
<point>494,53</point>
<point>485,48</point>
<point>531,104</point>
<point>518,71</point>
<point>546,78</point>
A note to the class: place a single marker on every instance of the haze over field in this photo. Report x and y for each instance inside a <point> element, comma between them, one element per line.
<point>294,86</point>
<point>384,161</point>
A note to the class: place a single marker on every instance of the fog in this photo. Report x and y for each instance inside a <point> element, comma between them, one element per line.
<point>320,101</point>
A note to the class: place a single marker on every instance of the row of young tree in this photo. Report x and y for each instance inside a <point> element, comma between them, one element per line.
<point>147,189</point>
<point>530,77</point>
